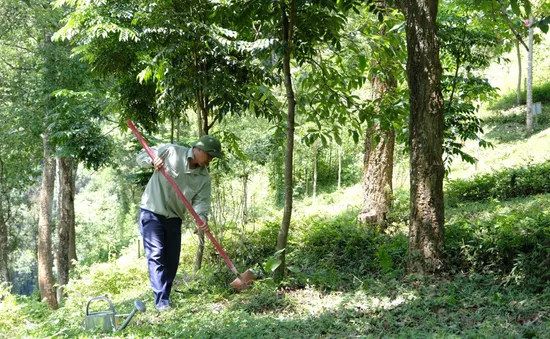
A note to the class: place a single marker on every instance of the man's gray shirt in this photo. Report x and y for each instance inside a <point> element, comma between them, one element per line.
<point>161,198</point>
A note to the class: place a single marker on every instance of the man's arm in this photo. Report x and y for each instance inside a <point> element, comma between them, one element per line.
<point>201,201</point>
<point>144,160</point>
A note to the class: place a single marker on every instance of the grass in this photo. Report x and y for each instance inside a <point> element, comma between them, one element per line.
<point>541,93</point>
<point>507,132</point>
<point>460,306</point>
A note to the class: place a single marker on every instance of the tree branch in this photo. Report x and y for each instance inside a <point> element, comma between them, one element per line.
<point>503,11</point>
<point>213,121</point>
<point>14,67</point>
<point>15,46</point>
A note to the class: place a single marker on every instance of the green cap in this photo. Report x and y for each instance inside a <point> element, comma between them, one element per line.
<point>210,145</point>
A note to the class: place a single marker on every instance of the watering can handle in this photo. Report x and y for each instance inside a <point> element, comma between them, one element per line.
<point>99,298</point>
<point>184,199</point>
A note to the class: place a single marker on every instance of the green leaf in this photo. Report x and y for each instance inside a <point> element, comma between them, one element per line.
<point>272,264</point>
<point>515,7</point>
<point>527,6</point>
<point>294,269</point>
<point>145,74</point>
<point>543,24</point>
<point>362,62</point>
<point>278,252</point>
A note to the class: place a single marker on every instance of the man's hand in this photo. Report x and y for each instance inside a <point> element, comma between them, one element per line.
<point>158,163</point>
<point>203,227</point>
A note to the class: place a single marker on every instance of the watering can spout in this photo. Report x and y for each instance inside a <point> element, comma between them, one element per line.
<point>139,306</point>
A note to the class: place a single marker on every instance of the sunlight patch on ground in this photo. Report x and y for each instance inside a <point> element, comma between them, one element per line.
<point>333,204</point>
<point>504,155</point>
<point>314,303</point>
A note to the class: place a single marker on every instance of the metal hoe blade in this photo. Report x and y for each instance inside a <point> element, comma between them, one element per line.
<point>242,282</point>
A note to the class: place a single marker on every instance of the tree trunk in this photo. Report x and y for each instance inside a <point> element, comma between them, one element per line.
<point>339,167</point>
<point>72,231</point>
<point>425,137</point>
<point>377,177</point>
<point>306,180</point>
<point>315,150</point>
<point>378,158</point>
<point>282,238</point>
<point>56,217</point>
<point>4,217</point>
<point>202,121</point>
<point>329,156</point>
<point>245,197</point>
<point>529,112</point>
<point>66,218</point>
<point>45,274</point>
<point>172,126</point>
<point>4,268</point>
<point>200,234</point>
<point>518,91</point>
<point>56,210</point>
<point>178,128</point>
<point>203,130</point>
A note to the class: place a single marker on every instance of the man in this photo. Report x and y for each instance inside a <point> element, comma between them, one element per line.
<point>161,211</point>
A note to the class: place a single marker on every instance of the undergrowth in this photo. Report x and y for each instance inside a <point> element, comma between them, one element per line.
<point>347,281</point>
<point>504,184</point>
<point>541,93</point>
<point>510,241</point>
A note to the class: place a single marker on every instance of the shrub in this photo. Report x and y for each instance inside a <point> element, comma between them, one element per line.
<point>264,296</point>
<point>391,255</point>
<point>516,116</point>
<point>540,93</point>
<point>506,184</point>
<point>110,279</point>
<point>256,245</point>
<point>513,245</point>
<point>332,253</point>
<point>9,310</point>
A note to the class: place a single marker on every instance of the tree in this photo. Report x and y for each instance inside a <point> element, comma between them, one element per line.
<point>468,45</point>
<point>518,87</point>
<point>163,67</point>
<point>66,224</point>
<point>76,106</point>
<point>312,84</point>
<point>524,9</point>
<point>4,218</point>
<point>529,106</point>
<point>41,107</point>
<point>426,137</point>
<point>315,151</point>
<point>387,52</point>
<point>288,14</point>
<point>45,260</point>
<point>20,110</point>
<point>318,100</point>
<point>39,68</point>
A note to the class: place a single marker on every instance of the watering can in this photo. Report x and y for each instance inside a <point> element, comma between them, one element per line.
<point>105,321</point>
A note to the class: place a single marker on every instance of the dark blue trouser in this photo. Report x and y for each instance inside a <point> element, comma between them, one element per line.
<point>162,244</point>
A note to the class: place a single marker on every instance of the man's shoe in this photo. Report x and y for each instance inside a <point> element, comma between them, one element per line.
<point>163,308</point>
